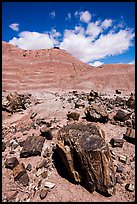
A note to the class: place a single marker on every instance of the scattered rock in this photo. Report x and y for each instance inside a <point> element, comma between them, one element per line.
<point>123,158</point>
<point>118,179</point>
<point>131,101</point>
<point>130,187</point>
<point>32,146</point>
<point>11,163</point>
<point>122,116</point>
<point>73,116</point>
<point>14,102</point>
<point>116,142</point>
<point>33,115</point>
<point>49,185</point>
<point>79,104</point>
<point>129,136</point>
<point>118,92</point>
<point>29,167</point>
<point>20,174</point>
<point>96,113</point>
<point>46,132</point>
<point>43,193</point>
<point>86,156</point>
<point>119,169</point>
<point>3,146</point>
<point>43,163</point>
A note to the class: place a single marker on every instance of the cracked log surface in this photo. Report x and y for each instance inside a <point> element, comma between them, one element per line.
<point>87,157</point>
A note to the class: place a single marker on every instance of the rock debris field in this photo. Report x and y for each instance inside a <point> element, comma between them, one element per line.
<point>65,147</point>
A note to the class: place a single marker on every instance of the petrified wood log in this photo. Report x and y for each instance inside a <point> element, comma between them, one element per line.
<point>96,113</point>
<point>86,156</point>
<point>32,146</point>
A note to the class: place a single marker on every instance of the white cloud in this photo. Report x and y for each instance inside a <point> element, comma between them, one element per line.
<point>85,16</point>
<point>54,35</point>
<point>84,49</point>
<point>132,62</point>
<point>68,17</point>
<point>106,23</point>
<point>53,14</point>
<point>14,26</point>
<point>93,30</point>
<point>96,63</point>
<point>32,40</point>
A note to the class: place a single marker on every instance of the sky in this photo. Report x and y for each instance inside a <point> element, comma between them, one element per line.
<point>94,32</point>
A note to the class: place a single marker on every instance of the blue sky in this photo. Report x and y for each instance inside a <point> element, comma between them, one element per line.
<point>94,32</point>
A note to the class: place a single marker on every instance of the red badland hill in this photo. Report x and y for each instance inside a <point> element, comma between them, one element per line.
<point>55,68</point>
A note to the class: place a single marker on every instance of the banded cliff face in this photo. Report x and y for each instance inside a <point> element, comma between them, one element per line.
<point>55,68</point>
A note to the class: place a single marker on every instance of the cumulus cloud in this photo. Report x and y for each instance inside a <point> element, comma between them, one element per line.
<point>93,30</point>
<point>85,16</point>
<point>32,40</point>
<point>106,23</point>
<point>14,26</point>
<point>53,14</point>
<point>96,63</point>
<point>106,45</point>
<point>90,43</point>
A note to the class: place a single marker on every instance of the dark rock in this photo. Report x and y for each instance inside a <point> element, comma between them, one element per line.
<point>46,132</point>
<point>131,101</point>
<point>129,136</point>
<point>11,163</point>
<point>43,163</point>
<point>40,121</point>
<point>122,116</point>
<point>93,93</point>
<point>96,113</point>
<point>119,169</point>
<point>14,102</point>
<point>73,115</point>
<point>116,142</point>
<point>130,187</point>
<point>33,115</point>
<point>118,99</point>
<point>29,167</point>
<point>20,174</point>
<point>118,92</point>
<point>43,193</point>
<point>3,146</point>
<point>32,146</point>
<point>123,159</point>
<point>79,104</point>
<point>118,179</point>
<point>87,157</point>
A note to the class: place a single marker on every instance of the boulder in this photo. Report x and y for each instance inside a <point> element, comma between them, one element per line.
<point>129,136</point>
<point>14,102</point>
<point>131,101</point>
<point>20,174</point>
<point>86,156</point>
<point>46,132</point>
<point>11,163</point>
<point>96,113</point>
<point>73,116</point>
<point>32,146</point>
<point>122,116</point>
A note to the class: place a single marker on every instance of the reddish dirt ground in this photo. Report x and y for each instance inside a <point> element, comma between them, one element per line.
<point>46,74</point>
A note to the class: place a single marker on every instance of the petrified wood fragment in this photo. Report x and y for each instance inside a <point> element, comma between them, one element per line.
<point>96,113</point>
<point>32,146</point>
<point>129,136</point>
<point>86,156</point>
<point>20,174</point>
<point>116,142</point>
<point>122,116</point>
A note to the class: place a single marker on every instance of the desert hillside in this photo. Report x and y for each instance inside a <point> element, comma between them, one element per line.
<point>55,68</point>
